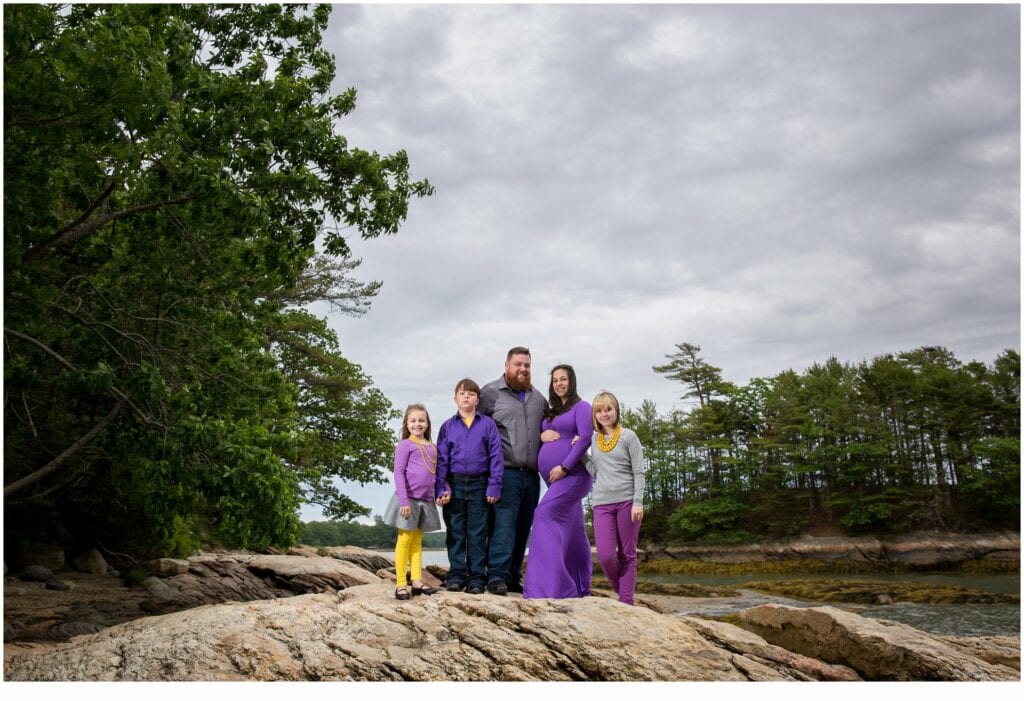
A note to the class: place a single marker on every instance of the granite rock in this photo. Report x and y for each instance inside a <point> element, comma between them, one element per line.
<point>877,649</point>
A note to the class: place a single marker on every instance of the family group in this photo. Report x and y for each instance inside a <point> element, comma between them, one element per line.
<point>484,472</point>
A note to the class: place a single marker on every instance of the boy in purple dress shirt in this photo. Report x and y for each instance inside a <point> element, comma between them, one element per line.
<point>469,474</point>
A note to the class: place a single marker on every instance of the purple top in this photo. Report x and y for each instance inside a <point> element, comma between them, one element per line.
<point>413,478</point>
<point>575,422</point>
<point>469,452</point>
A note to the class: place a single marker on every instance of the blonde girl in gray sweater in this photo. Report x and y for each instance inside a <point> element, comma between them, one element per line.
<point>616,461</point>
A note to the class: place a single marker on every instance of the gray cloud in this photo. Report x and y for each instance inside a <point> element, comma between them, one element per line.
<point>777,184</point>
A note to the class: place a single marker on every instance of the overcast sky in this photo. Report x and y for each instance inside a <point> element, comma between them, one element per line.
<point>776,184</point>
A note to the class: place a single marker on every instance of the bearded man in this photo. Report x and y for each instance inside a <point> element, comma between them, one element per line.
<point>518,408</point>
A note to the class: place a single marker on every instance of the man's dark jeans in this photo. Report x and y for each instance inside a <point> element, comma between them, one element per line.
<point>509,527</point>
<point>465,518</point>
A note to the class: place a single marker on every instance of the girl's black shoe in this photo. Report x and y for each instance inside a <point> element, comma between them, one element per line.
<point>428,590</point>
<point>402,593</point>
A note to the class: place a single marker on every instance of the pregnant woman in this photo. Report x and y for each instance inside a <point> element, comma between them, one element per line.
<point>559,564</point>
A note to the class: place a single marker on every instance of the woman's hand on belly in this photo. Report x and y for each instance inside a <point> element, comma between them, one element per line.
<point>550,435</point>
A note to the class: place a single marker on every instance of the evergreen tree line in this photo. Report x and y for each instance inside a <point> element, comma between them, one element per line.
<point>175,197</point>
<point>914,441</point>
<point>379,535</point>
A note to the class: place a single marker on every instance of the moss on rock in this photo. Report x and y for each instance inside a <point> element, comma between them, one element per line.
<point>808,566</point>
<point>688,590</point>
<point>793,565</point>
<point>874,591</point>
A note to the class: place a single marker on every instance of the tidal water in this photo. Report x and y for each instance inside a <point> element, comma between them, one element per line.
<point>937,619</point>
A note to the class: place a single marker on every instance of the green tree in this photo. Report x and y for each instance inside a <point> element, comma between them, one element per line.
<point>343,419</point>
<point>650,429</point>
<point>170,172</point>
<point>706,423</point>
<point>1003,417</point>
<point>990,483</point>
<point>903,442</point>
<point>701,379</point>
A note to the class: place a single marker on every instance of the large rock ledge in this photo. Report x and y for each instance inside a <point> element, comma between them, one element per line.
<point>919,550</point>
<point>356,630</point>
<point>88,603</point>
<point>364,634</point>
<point>880,649</point>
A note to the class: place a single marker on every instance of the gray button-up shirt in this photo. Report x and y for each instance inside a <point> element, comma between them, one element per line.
<point>518,421</point>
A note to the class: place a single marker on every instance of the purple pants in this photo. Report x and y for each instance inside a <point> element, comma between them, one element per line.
<point>615,536</point>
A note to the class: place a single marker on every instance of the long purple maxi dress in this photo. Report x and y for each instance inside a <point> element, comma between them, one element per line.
<point>559,563</point>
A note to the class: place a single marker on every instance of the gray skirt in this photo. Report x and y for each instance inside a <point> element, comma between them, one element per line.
<point>423,517</point>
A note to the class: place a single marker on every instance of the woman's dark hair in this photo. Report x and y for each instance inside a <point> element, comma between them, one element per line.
<point>555,405</point>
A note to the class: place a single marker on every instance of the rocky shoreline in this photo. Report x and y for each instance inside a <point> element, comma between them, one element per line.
<point>330,614</point>
<point>917,551</point>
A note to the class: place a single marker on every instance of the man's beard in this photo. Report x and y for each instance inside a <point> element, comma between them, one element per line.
<point>514,382</point>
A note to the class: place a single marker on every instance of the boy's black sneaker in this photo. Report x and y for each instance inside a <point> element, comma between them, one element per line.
<point>454,586</point>
<point>474,589</point>
<point>498,588</point>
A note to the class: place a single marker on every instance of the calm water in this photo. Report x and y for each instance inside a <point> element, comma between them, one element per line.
<point>937,619</point>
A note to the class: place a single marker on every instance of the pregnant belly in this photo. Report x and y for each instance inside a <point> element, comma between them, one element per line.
<point>552,454</point>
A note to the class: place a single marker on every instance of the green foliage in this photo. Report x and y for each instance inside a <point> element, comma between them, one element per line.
<point>170,173</point>
<point>867,515</point>
<point>337,403</point>
<point>992,488</point>
<point>379,535</point>
<point>777,513</point>
<point>716,519</point>
<point>867,592</point>
<point>134,576</point>
<point>181,537</point>
<point>655,525</point>
<point>702,380</point>
<point>913,441</point>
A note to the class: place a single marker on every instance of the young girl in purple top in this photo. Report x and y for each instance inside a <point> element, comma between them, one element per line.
<point>411,508</point>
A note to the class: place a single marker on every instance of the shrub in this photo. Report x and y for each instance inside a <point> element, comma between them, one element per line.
<point>718,518</point>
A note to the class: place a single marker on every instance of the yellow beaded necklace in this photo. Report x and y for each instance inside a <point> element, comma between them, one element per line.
<point>607,445</point>
<point>428,462</point>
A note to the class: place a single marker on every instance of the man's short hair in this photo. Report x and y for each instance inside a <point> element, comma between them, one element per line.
<point>466,384</point>
<point>518,350</point>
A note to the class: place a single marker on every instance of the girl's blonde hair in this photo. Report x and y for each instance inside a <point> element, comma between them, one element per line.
<point>602,400</point>
<point>405,420</point>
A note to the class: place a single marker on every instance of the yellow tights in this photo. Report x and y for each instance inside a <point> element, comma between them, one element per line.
<point>408,551</point>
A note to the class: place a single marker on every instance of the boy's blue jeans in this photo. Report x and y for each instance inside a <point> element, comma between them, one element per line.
<point>465,518</point>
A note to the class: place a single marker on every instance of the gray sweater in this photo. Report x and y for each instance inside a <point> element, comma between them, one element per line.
<point>619,473</point>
